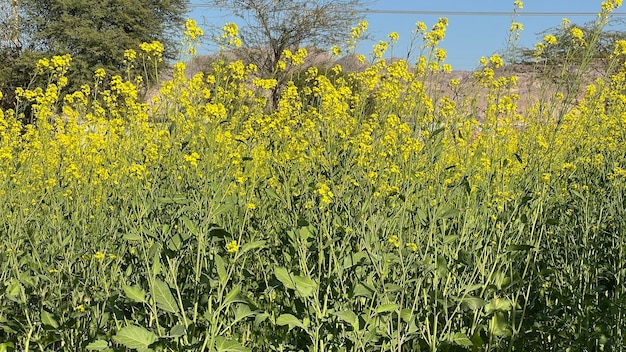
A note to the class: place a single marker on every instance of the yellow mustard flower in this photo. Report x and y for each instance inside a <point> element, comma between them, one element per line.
<point>232,246</point>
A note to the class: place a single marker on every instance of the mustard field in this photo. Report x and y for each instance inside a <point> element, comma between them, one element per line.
<point>361,211</point>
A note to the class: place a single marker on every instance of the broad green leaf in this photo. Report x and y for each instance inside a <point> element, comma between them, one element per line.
<point>477,341</point>
<point>131,237</point>
<point>223,344</point>
<point>136,337</point>
<point>27,280</point>
<point>190,225</point>
<point>97,345</point>
<point>242,312</point>
<point>360,290</point>
<point>221,209</point>
<point>156,263</point>
<point>288,319</point>
<point>178,330</point>
<point>216,231</point>
<point>473,303</point>
<point>385,308</point>
<point>48,318</point>
<point>304,286</point>
<point>260,318</point>
<point>252,245</point>
<point>7,346</point>
<point>498,325</point>
<point>422,215</point>
<point>135,293</point>
<point>498,305</point>
<point>349,317</point>
<point>462,340</point>
<point>406,314</point>
<point>14,289</point>
<point>305,233</point>
<point>442,266</point>
<point>450,238</point>
<point>232,296</point>
<point>447,212</point>
<point>163,297</point>
<point>270,192</point>
<point>392,288</point>
<point>355,259</point>
<point>473,288</point>
<point>284,277</point>
<point>221,269</point>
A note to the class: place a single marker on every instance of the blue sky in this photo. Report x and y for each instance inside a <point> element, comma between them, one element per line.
<point>468,36</point>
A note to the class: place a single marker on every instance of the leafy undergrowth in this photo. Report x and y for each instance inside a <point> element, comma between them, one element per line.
<point>364,212</point>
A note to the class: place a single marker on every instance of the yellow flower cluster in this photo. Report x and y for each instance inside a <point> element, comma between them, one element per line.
<point>230,36</point>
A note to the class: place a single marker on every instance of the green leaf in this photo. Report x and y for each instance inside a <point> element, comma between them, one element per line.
<point>221,269</point>
<point>156,262</point>
<point>7,347</point>
<point>442,266</point>
<point>447,212</point>
<point>288,319</point>
<point>222,208</point>
<point>305,233</point>
<point>355,259</point>
<point>304,286</point>
<point>473,303</point>
<point>97,345</point>
<point>135,293</point>
<point>462,340</point>
<point>498,305</point>
<point>450,238</point>
<point>360,290</point>
<point>135,337</point>
<point>242,312</point>
<point>48,319</point>
<point>178,330</point>
<point>131,237</point>
<point>232,296</point>
<point>270,192</point>
<point>389,307</point>
<point>406,315</point>
<point>190,225</point>
<point>284,277</point>
<point>499,326</point>
<point>422,215</point>
<point>349,317</point>
<point>223,344</point>
<point>392,288</point>
<point>260,318</point>
<point>163,297</point>
<point>252,245</point>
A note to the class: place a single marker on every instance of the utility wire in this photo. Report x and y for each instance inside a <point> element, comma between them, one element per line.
<point>487,13</point>
<point>463,13</point>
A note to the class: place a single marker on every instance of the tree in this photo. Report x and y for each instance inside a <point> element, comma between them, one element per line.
<point>271,26</point>
<point>96,32</point>
<point>573,45</point>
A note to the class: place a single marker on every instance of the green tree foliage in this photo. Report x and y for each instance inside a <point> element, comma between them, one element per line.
<point>572,45</point>
<point>94,32</point>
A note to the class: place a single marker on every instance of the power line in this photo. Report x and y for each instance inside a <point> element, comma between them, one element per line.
<point>464,13</point>
<point>486,13</point>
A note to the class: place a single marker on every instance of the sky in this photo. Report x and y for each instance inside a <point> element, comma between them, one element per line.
<point>468,37</point>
